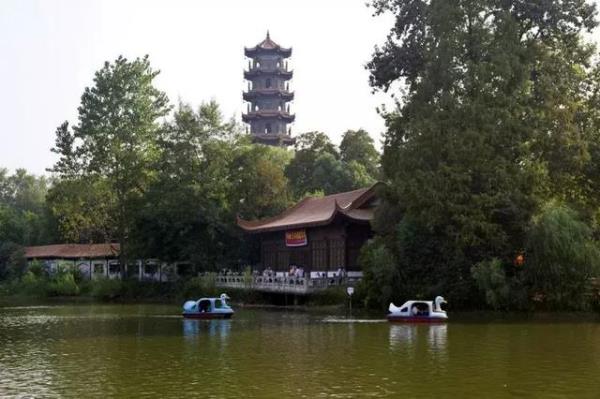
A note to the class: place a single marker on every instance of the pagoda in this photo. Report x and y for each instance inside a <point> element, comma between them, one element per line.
<point>268,111</point>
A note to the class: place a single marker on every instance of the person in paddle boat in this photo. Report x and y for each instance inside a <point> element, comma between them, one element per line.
<point>418,311</point>
<point>208,308</point>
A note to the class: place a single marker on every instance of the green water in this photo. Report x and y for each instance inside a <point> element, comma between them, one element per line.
<point>88,350</point>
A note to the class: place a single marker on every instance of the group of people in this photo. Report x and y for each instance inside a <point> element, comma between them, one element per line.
<point>268,272</point>
<point>296,271</point>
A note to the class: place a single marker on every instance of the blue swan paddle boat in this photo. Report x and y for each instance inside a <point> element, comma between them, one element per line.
<point>418,311</point>
<point>208,308</point>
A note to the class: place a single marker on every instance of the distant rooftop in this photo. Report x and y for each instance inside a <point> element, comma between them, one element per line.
<point>72,251</point>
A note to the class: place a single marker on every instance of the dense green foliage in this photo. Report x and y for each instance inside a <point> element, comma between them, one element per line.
<point>24,216</point>
<point>502,285</point>
<point>25,219</point>
<point>319,166</point>
<point>492,152</point>
<point>496,118</point>
<point>114,144</point>
<point>562,257</point>
<point>166,184</point>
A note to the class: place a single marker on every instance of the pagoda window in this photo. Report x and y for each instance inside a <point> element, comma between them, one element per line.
<point>268,83</point>
<point>268,129</point>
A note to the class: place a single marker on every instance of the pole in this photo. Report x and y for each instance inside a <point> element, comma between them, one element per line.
<point>350,291</point>
<point>350,304</point>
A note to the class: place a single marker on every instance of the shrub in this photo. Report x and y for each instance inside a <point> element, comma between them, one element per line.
<point>12,261</point>
<point>201,286</point>
<point>381,275</point>
<point>63,284</point>
<point>501,291</point>
<point>330,296</point>
<point>561,258</point>
<point>37,268</point>
<point>106,289</point>
<point>32,285</point>
<point>248,277</point>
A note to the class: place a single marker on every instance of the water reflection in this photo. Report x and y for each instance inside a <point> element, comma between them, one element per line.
<point>408,337</point>
<point>213,328</point>
<point>402,335</point>
<point>438,338</point>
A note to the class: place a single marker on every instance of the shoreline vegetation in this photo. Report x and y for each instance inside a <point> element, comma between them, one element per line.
<point>38,284</point>
<point>490,163</point>
<point>63,285</point>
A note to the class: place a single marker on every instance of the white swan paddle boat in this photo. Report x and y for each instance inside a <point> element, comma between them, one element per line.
<point>208,308</point>
<point>418,311</point>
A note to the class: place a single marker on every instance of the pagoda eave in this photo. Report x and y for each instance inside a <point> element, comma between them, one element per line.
<point>253,116</point>
<point>254,51</point>
<point>266,93</point>
<point>274,138</point>
<point>254,73</point>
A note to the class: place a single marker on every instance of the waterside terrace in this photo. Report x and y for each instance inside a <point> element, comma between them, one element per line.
<point>283,283</point>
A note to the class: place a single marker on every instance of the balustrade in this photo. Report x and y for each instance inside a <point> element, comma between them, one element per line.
<point>280,283</point>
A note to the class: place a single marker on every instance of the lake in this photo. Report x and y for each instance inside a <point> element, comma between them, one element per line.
<point>96,350</point>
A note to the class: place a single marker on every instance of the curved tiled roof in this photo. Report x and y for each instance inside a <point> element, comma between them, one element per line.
<point>316,212</point>
<point>72,251</point>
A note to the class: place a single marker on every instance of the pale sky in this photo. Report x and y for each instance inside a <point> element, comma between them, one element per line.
<point>49,51</point>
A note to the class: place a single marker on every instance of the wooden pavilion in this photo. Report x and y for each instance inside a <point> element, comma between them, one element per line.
<point>318,234</point>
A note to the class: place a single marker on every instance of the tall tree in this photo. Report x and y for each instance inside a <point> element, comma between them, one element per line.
<point>186,212</point>
<point>318,166</point>
<point>487,125</point>
<point>300,170</point>
<point>358,146</point>
<point>115,138</point>
<point>84,209</point>
<point>68,164</point>
<point>259,184</point>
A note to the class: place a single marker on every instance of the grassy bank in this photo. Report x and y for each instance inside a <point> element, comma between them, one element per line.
<point>66,284</point>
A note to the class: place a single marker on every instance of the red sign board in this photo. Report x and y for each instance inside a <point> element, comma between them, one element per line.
<point>295,238</point>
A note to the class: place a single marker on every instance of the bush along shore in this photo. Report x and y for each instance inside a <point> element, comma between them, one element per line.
<point>36,282</point>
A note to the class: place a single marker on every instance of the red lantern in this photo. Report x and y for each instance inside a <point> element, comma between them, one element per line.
<point>519,260</point>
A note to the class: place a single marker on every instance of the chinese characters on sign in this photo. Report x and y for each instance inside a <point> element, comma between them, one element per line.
<point>295,238</point>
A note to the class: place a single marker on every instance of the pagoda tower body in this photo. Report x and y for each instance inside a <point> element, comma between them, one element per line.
<point>268,95</point>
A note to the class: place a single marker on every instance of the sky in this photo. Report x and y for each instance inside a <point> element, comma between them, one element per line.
<point>50,49</point>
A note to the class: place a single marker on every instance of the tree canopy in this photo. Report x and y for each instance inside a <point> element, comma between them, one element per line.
<point>493,120</point>
<point>112,147</point>
<point>319,166</point>
<point>169,184</point>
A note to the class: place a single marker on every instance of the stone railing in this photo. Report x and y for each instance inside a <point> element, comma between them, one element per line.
<point>281,284</point>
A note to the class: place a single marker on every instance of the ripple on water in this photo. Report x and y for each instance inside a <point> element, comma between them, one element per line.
<point>136,352</point>
<point>333,319</point>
